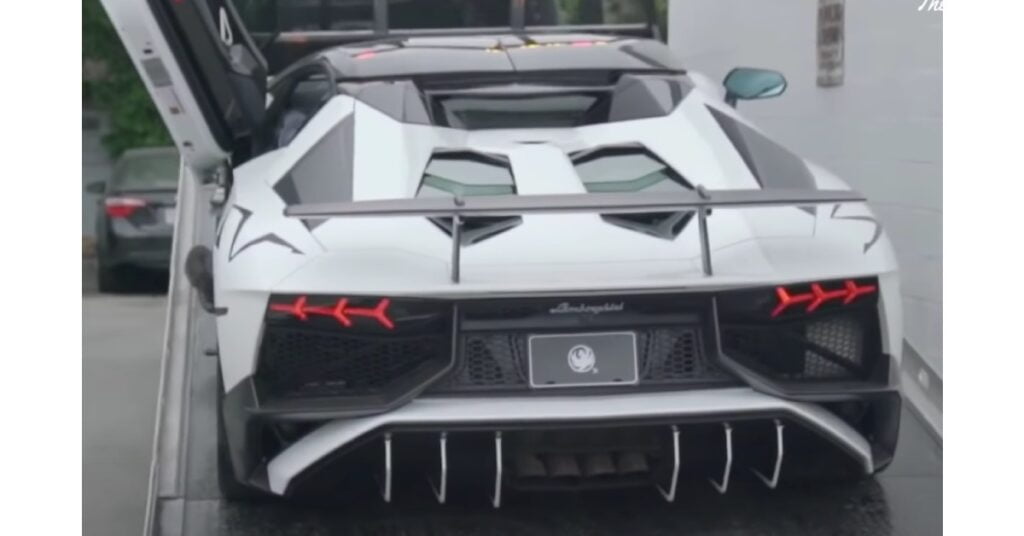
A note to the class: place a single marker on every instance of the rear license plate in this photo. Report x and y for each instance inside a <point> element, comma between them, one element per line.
<point>169,215</point>
<point>582,359</point>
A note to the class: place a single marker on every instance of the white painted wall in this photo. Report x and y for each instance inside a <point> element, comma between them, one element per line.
<point>881,130</point>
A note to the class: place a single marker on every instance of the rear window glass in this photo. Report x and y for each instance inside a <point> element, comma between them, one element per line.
<point>464,173</point>
<point>552,111</point>
<point>634,169</point>
<point>147,172</point>
<point>627,170</point>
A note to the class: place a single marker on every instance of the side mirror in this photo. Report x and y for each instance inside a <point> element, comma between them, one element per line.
<point>749,83</point>
<point>199,271</point>
<point>97,187</point>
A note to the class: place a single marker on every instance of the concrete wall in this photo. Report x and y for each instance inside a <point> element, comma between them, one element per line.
<point>881,130</point>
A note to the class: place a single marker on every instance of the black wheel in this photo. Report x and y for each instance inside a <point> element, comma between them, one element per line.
<point>230,488</point>
<point>108,280</point>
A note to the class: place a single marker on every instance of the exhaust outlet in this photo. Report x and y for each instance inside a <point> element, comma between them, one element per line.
<point>599,464</point>
<point>561,465</point>
<point>528,465</point>
<point>631,462</point>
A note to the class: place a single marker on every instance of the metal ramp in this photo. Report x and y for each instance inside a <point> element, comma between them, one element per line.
<point>184,497</point>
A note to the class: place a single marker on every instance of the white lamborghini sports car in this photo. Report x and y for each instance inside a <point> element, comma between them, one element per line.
<point>508,245</point>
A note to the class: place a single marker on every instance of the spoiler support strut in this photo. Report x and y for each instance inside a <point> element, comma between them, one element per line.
<point>456,246</point>
<point>459,208</point>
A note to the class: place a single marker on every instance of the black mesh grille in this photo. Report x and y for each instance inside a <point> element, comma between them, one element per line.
<point>833,347</point>
<point>498,361</point>
<point>843,337</point>
<point>320,363</point>
<point>491,360</point>
<point>670,355</point>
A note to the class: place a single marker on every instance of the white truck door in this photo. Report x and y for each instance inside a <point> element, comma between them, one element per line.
<point>203,70</point>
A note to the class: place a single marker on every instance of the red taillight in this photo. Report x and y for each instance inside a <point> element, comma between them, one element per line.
<point>122,207</point>
<point>340,311</point>
<point>786,299</point>
<point>365,55</point>
<point>296,309</point>
<point>853,291</point>
<point>819,295</point>
<point>380,313</point>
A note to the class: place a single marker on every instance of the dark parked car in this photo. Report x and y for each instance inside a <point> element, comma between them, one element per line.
<point>135,228</point>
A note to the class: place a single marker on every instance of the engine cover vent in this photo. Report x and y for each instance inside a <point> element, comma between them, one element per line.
<point>464,174</point>
<point>634,168</point>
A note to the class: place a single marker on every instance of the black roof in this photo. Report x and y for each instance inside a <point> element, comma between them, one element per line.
<point>502,53</point>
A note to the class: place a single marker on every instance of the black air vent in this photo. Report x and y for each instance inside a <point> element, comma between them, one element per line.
<point>633,168</point>
<point>464,174</point>
<point>823,335</point>
<point>772,165</point>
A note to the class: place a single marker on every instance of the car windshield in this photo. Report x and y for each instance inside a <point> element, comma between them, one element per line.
<point>147,171</point>
<point>340,15</point>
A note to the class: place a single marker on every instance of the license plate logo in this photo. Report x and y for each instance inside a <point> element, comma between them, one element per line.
<point>582,359</point>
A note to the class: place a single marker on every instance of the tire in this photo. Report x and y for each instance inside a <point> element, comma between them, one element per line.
<point>230,488</point>
<point>107,280</point>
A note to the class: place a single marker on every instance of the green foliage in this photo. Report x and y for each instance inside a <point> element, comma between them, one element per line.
<point>574,12</point>
<point>134,121</point>
<point>661,10</point>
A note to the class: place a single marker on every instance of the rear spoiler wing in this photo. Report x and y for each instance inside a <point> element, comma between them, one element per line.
<point>459,208</point>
